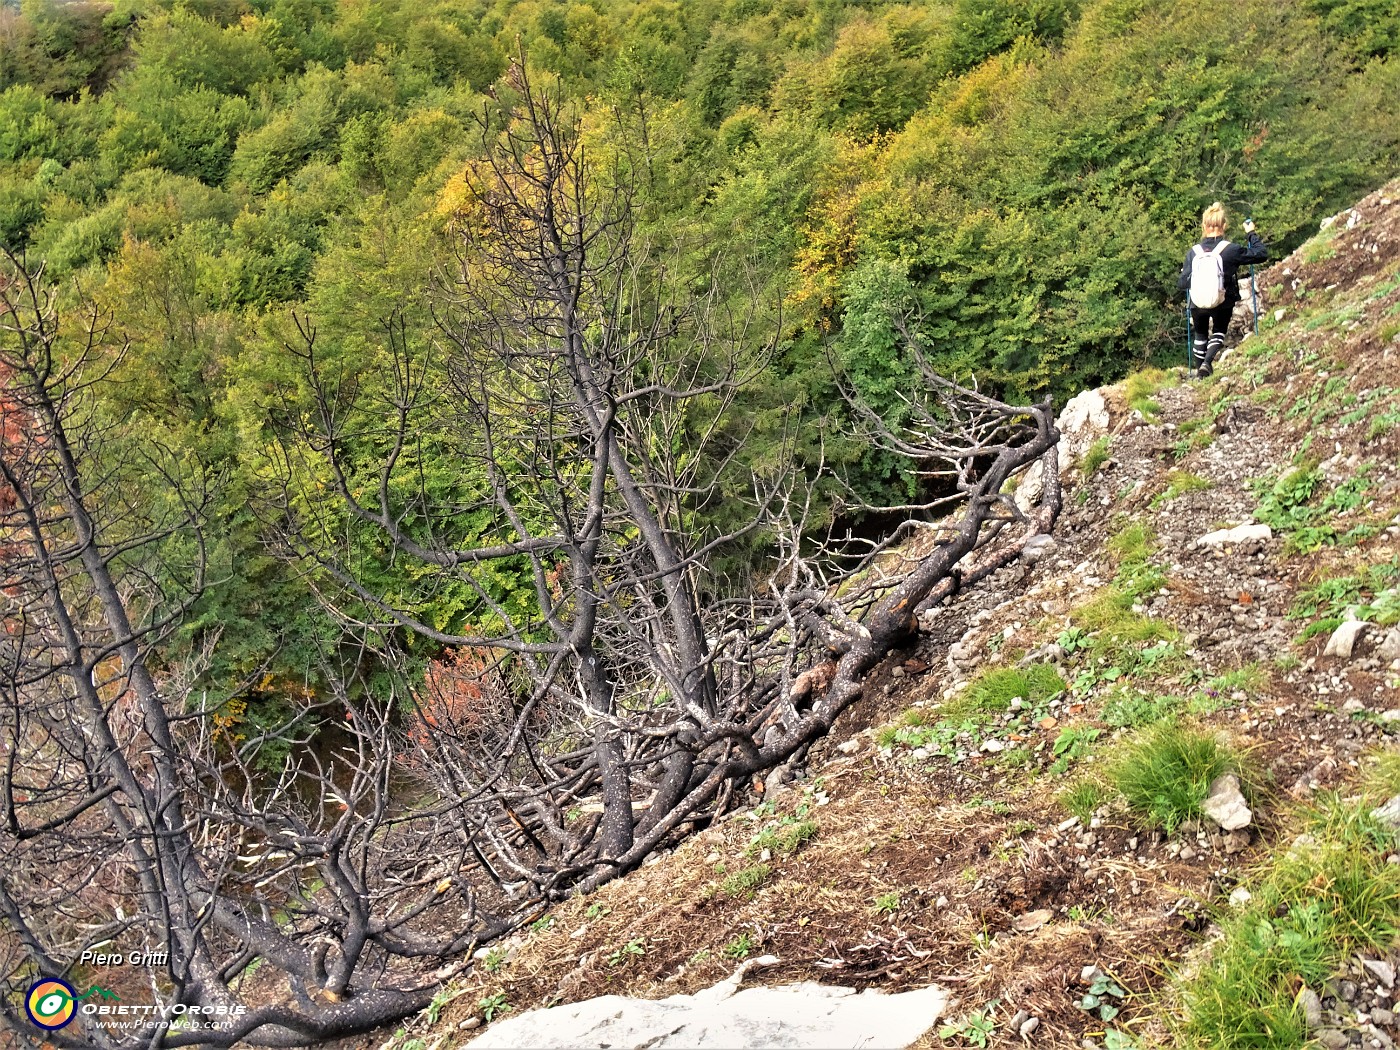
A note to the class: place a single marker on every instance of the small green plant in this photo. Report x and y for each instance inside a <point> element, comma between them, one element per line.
<point>1166,772</point>
<point>493,1005</point>
<point>496,958</point>
<point>542,925</point>
<point>741,947</point>
<point>596,911</point>
<point>434,1009</point>
<point>636,946</point>
<point>702,955</point>
<point>1113,1039</point>
<point>1103,999</point>
<point>887,903</point>
<point>1072,639</point>
<point>974,1028</point>
<point>1082,798</point>
<point>1072,744</point>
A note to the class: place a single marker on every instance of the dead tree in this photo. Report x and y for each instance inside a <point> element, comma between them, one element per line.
<point>590,396</point>
<point>286,903</point>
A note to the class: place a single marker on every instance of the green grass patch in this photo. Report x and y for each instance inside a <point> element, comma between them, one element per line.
<point>1095,456</point>
<point>1165,773</point>
<point>1140,388</point>
<point>744,881</point>
<point>993,691</point>
<point>1083,798</point>
<point>1373,593</point>
<point>1179,483</point>
<point>1311,909</point>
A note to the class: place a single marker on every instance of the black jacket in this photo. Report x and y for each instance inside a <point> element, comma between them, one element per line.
<point>1254,250</point>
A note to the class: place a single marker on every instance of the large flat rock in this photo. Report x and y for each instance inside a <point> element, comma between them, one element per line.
<point>808,1015</point>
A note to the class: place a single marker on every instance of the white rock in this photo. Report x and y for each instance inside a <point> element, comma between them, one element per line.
<point>806,1015</point>
<point>1239,534</point>
<point>1278,314</point>
<point>1085,411</point>
<point>1226,805</point>
<point>1389,813</point>
<point>1240,896</point>
<point>1382,970</point>
<point>1389,649</point>
<point>1343,639</point>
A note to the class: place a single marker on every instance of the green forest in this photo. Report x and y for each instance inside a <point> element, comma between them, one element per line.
<point>434,372</point>
<point>1018,178</point>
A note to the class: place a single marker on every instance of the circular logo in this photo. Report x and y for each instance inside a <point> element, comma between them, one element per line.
<point>51,1003</point>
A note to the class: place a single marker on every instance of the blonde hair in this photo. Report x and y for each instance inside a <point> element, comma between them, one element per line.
<point>1213,218</point>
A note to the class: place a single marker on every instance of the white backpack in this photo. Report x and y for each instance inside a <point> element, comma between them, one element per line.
<point>1208,276</point>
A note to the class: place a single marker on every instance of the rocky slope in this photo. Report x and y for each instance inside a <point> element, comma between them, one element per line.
<point>968,823</point>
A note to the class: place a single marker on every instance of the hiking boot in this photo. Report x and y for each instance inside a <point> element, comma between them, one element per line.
<point>1205,371</point>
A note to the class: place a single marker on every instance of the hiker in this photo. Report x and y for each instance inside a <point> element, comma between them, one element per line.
<point>1211,280</point>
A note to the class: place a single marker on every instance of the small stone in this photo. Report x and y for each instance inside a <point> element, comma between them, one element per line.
<point>1038,547</point>
<point>469,1024</point>
<point>994,745</point>
<point>1235,842</point>
<point>1240,896</point>
<point>1389,649</point>
<point>1381,970</point>
<point>1028,1026</point>
<point>1312,1008</point>
<point>1389,814</point>
<point>1333,1039</point>
<point>1018,1019</point>
<point>898,672</point>
<point>1239,534</point>
<point>941,903</point>
<point>849,747</point>
<point>1187,853</point>
<point>1226,805</point>
<point>1353,706</point>
<point>1089,974</point>
<point>1343,639</point>
<point>1380,1015</point>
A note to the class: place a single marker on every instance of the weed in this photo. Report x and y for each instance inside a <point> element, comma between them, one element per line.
<point>1095,456</point>
<point>634,947</point>
<point>746,880</point>
<point>1083,798</point>
<point>1071,745</point>
<point>1250,679</point>
<point>542,925</point>
<point>974,1028</point>
<point>887,903</point>
<point>741,947</point>
<point>700,956</point>
<point>596,911</point>
<point>1096,1001</point>
<point>1165,774</point>
<point>1131,709</point>
<point>495,959</point>
<point>493,1005</point>
<point>434,1009</point>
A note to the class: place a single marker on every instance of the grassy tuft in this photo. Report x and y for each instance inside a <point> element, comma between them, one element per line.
<point>1083,798</point>
<point>1140,388</point>
<point>1310,910</point>
<point>1095,456</point>
<point>994,690</point>
<point>1179,483</point>
<point>1165,773</point>
<point>744,881</point>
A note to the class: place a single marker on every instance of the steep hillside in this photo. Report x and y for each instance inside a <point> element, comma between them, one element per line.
<point>1016,809</point>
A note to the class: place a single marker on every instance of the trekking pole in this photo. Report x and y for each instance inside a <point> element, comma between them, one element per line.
<point>1188,335</point>
<point>1254,294</point>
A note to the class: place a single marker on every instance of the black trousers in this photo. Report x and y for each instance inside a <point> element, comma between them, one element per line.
<point>1208,328</point>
